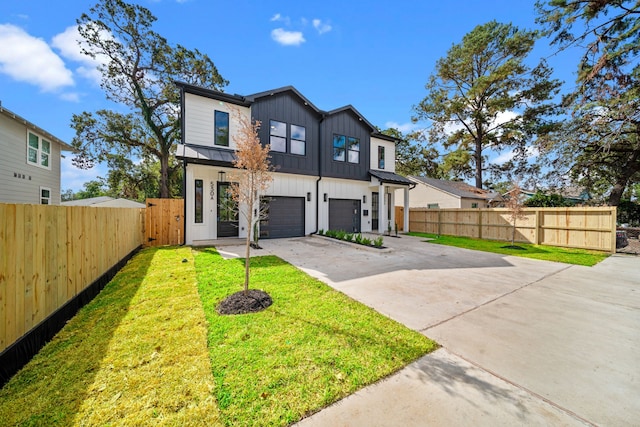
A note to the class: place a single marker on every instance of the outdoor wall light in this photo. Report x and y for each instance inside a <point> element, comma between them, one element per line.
<point>308,196</point>
<point>325,197</point>
<point>364,199</point>
<point>222,176</point>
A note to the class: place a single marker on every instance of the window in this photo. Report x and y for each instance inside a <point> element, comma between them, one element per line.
<point>222,128</point>
<point>278,136</point>
<point>298,140</point>
<point>380,157</point>
<point>432,206</point>
<point>45,196</point>
<point>198,213</point>
<point>474,205</point>
<point>38,151</point>
<point>339,148</point>
<point>353,145</point>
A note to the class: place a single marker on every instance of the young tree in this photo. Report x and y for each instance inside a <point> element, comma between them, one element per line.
<point>138,71</point>
<point>483,95</point>
<point>251,180</point>
<point>515,205</point>
<point>601,144</point>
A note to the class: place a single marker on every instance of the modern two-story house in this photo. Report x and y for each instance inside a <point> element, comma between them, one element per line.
<point>333,169</point>
<point>30,163</point>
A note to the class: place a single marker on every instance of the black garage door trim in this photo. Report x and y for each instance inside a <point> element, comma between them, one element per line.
<point>284,218</point>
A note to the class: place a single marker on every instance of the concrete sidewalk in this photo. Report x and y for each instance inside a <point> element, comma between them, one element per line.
<point>525,342</point>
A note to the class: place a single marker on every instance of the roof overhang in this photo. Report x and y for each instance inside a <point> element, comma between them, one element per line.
<point>205,155</point>
<point>391,178</point>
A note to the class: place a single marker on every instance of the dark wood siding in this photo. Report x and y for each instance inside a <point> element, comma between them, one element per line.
<point>348,124</point>
<point>288,108</point>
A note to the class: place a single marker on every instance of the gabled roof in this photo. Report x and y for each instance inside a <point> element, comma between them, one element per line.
<point>390,177</point>
<point>457,188</point>
<point>283,89</point>
<point>64,146</point>
<point>213,94</point>
<point>350,108</point>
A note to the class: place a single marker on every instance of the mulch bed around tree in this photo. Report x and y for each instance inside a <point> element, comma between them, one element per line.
<point>514,247</point>
<point>240,303</point>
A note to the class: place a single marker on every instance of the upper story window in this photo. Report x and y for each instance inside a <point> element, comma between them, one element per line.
<point>278,136</point>
<point>222,128</point>
<point>339,142</point>
<point>380,157</point>
<point>298,140</point>
<point>38,151</point>
<point>353,145</point>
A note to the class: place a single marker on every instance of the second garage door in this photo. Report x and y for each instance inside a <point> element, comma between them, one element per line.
<point>285,217</point>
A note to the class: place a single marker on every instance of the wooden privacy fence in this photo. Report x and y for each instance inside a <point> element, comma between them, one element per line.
<point>49,254</point>
<point>583,227</point>
<point>164,222</point>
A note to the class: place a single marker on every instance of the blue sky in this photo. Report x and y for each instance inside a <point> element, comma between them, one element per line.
<point>375,55</point>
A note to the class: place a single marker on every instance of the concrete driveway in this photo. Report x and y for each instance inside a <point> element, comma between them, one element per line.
<point>525,342</point>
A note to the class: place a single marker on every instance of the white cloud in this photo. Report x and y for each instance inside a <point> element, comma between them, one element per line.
<point>404,127</point>
<point>287,38</point>
<point>70,96</point>
<point>509,155</point>
<point>321,27</point>
<point>30,59</point>
<point>68,43</point>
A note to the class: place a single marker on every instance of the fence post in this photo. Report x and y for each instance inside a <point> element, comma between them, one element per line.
<point>614,219</point>
<point>538,226</point>
<point>480,223</point>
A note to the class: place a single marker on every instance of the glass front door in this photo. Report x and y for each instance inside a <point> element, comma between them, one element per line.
<point>227,212</point>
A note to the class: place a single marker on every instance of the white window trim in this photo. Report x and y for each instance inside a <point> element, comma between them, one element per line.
<point>43,198</point>
<point>39,153</point>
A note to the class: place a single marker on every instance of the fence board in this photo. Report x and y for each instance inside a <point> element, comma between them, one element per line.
<point>51,253</point>
<point>587,228</point>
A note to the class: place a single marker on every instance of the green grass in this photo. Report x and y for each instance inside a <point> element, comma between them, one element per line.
<point>546,253</point>
<point>313,346</point>
<point>135,355</point>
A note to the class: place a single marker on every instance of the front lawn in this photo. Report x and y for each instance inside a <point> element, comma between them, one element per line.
<point>545,253</point>
<point>138,355</point>
<point>312,347</point>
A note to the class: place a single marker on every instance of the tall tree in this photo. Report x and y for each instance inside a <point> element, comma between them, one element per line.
<point>138,71</point>
<point>601,143</point>
<point>251,179</point>
<point>482,95</point>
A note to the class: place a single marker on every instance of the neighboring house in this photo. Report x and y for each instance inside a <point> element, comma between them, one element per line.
<point>30,162</point>
<point>333,169</point>
<point>575,195</point>
<point>105,202</point>
<point>439,193</point>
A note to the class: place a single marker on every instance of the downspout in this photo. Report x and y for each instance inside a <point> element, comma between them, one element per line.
<point>319,172</point>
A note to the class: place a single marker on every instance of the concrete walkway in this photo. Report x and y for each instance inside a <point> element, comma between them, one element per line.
<point>525,342</point>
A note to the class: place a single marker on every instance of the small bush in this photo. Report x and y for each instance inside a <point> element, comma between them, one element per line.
<point>359,239</point>
<point>321,232</point>
<point>348,237</point>
<point>330,233</point>
<point>340,234</point>
<point>377,242</point>
<point>366,241</point>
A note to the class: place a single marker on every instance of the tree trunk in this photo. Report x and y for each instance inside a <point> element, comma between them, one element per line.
<point>247,250</point>
<point>631,168</point>
<point>478,159</point>
<point>164,176</point>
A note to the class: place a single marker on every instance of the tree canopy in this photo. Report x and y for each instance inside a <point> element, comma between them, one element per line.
<point>483,95</point>
<point>138,68</point>
<point>412,157</point>
<point>599,147</point>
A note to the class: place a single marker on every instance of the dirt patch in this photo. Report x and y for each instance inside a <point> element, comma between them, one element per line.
<point>243,302</point>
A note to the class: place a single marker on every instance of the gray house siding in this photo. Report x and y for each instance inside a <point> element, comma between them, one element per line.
<point>348,124</point>
<point>20,182</point>
<point>288,108</point>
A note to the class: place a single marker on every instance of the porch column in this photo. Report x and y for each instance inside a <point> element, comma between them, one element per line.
<point>406,210</point>
<point>382,211</point>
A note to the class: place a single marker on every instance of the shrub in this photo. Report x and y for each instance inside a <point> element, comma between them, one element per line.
<point>377,242</point>
<point>348,237</point>
<point>321,232</point>
<point>366,241</point>
<point>340,234</point>
<point>359,239</point>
